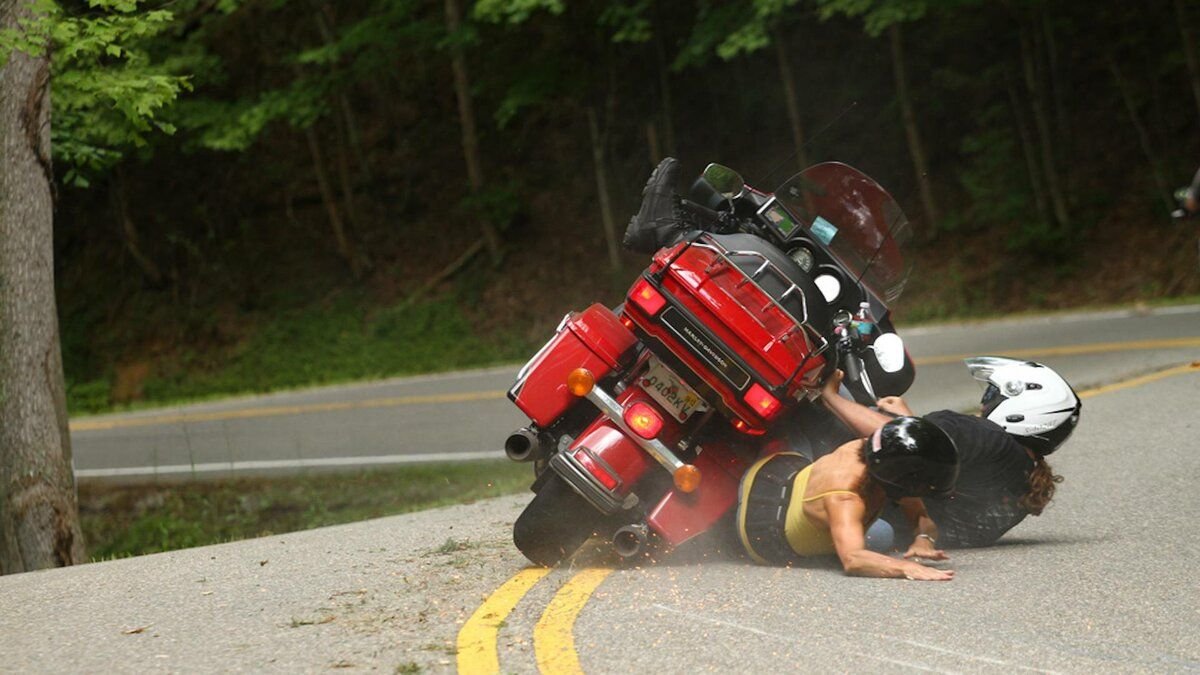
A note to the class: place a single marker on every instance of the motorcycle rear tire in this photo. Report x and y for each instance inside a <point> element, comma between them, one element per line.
<point>555,524</point>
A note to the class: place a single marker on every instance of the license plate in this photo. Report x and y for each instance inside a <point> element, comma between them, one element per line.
<point>672,393</point>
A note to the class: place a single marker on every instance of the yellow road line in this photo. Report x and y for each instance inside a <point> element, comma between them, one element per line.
<point>477,638</point>
<point>1071,350</point>
<point>1192,367</point>
<point>553,636</point>
<point>276,411</point>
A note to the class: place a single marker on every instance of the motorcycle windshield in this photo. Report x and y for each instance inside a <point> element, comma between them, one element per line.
<point>856,219</point>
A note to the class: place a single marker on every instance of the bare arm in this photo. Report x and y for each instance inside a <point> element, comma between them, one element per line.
<point>845,524</point>
<point>924,545</point>
<point>861,419</point>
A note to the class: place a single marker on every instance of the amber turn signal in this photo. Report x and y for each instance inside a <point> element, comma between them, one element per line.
<point>580,382</point>
<point>687,478</point>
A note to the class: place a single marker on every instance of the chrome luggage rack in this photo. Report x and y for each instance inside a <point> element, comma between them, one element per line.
<point>816,342</point>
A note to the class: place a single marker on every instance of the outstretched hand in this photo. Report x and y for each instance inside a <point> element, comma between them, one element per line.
<point>894,405</point>
<point>919,572</point>
<point>923,548</point>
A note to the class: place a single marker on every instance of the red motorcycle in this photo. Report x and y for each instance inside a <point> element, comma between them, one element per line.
<point>643,420</point>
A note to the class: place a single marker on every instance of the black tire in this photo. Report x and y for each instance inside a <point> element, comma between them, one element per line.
<point>555,524</point>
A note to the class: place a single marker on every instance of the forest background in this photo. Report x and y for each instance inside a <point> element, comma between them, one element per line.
<point>259,194</point>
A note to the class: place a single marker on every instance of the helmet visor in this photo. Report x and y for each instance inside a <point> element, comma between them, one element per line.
<point>982,367</point>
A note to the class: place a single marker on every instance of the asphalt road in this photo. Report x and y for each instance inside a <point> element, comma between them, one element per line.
<point>466,415</point>
<point>1103,582</point>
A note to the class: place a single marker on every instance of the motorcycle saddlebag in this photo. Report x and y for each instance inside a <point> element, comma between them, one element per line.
<point>594,339</point>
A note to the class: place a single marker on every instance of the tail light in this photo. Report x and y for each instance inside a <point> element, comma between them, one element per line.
<point>647,297</point>
<point>762,402</point>
<point>586,461</point>
<point>643,420</point>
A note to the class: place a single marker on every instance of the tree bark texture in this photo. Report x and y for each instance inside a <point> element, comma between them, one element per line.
<point>916,148</point>
<point>39,513</point>
<point>789,96</point>
<point>466,118</point>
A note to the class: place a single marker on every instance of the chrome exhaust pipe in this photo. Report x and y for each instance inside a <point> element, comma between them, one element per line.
<point>631,540</point>
<point>522,445</point>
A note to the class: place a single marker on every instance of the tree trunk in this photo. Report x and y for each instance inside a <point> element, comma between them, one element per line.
<point>915,147</point>
<point>39,513</point>
<point>598,163</point>
<point>1189,51</point>
<point>1041,120</point>
<point>664,83</point>
<point>1028,150</point>
<point>129,232</point>
<point>652,143</point>
<point>466,118</point>
<point>1164,192</point>
<point>341,240</point>
<point>789,97</point>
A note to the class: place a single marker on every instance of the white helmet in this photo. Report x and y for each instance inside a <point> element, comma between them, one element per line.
<point>1029,400</point>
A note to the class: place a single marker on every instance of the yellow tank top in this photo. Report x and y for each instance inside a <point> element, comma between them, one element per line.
<point>802,535</point>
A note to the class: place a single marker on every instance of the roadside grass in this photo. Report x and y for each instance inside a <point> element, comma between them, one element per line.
<point>127,520</point>
<point>345,340</point>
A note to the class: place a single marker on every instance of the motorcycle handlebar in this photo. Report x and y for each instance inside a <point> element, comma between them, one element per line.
<point>704,214</point>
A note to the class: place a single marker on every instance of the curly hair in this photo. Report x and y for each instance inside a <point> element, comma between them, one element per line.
<point>1042,482</point>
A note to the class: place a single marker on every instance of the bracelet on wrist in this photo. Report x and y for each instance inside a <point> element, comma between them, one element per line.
<point>932,541</point>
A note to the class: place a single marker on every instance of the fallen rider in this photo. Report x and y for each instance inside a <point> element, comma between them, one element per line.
<point>1028,411</point>
<point>790,509</point>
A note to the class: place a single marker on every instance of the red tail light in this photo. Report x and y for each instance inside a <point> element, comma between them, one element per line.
<point>762,402</point>
<point>647,297</point>
<point>585,460</point>
<point>643,420</point>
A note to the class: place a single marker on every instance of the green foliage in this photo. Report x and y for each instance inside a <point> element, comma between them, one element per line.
<point>515,11</point>
<point>109,94</point>
<point>878,15</point>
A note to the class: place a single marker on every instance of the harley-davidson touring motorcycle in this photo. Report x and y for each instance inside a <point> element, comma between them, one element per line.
<point>643,419</point>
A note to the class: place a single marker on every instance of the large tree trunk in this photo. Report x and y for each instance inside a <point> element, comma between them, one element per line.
<point>466,118</point>
<point>39,513</point>
<point>915,146</point>
<point>789,96</point>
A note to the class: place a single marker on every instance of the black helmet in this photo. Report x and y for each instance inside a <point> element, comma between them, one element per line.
<point>912,457</point>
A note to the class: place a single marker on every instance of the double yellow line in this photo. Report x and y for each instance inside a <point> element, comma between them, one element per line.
<point>553,636</point>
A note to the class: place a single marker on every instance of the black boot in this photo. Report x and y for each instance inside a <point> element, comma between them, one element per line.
<point>655,224</point>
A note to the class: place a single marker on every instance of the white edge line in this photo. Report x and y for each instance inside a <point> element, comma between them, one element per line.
<point>270,464</point>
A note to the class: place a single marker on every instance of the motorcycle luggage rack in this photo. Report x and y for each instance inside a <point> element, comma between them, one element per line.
<point>816,340</point>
